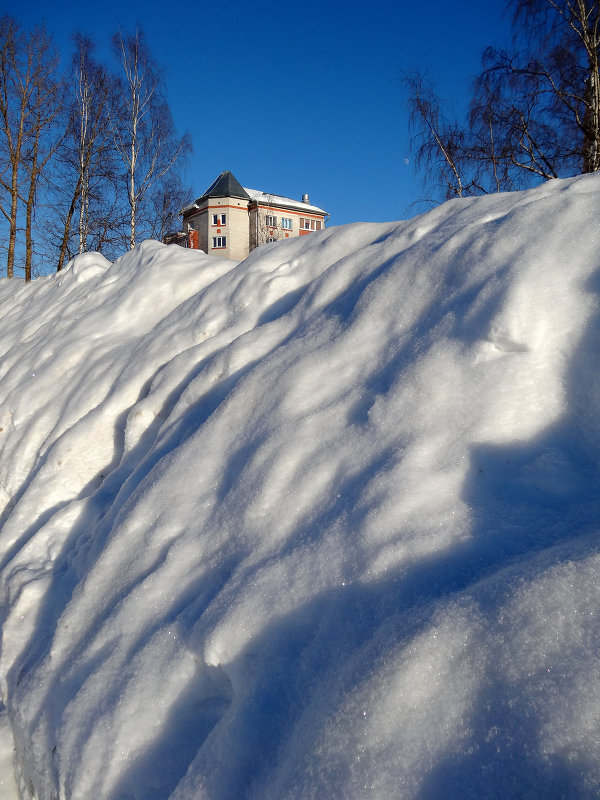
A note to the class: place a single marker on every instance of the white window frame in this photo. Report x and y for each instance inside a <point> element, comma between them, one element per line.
<point>215,220</point>
<point>219,242</point>
<point>286,223</point>
<point>307,224</point>
<point>271,221</point>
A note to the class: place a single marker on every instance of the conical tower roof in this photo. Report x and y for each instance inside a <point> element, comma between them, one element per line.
<point>226,185</point>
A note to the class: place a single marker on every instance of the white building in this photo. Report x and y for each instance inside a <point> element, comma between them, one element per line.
<point>230,221</point>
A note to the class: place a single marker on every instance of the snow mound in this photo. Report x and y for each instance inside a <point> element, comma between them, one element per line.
<point>323,523</point>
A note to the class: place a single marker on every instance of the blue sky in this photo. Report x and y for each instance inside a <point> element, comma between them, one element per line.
<point>297,97</point>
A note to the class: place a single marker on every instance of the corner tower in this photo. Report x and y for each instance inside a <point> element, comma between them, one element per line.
<point>220,216</point>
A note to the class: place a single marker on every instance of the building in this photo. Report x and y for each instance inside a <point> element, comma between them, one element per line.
<point>230,221</point>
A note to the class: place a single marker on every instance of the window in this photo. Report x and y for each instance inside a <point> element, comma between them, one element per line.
<point>310,224</point>
<point>219,219</point>
<point>271,221</point>
<point>270,239</point>
<point>286,223</point>
<point>219,241</point>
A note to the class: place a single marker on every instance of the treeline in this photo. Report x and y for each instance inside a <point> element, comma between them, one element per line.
<point>534,112</point>
<point>89,156</point>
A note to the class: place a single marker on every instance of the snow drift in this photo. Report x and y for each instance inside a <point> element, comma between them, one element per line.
<point>323,523</point>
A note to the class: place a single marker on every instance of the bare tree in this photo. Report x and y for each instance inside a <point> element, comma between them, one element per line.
<point>64,165</point>
<point>143,129</point>
<point>437,144</point>
<point>167,200</point>
<point>535,112</point>
<point>16,73</point>
<point>567,47</point>
<point>87,173</point>
<point>44,139</point>
<point>513,132</point>
<point>14,100</point>
<point>29,103</point>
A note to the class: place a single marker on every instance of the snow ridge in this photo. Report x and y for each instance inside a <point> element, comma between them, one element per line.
<point>320,523</point>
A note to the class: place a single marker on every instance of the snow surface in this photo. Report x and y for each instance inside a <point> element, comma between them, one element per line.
<point>320,524</point>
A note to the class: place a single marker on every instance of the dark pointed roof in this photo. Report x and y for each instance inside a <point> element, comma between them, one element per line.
<point>226,185</point>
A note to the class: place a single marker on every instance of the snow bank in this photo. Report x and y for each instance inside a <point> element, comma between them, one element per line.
<point>323,523</point>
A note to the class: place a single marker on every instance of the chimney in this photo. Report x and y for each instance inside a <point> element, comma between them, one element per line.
<point>305,199</point>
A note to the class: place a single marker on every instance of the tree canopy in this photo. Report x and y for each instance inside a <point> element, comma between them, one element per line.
<point>534,113</point>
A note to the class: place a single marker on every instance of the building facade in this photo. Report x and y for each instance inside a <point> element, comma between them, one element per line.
<point>229,221</point>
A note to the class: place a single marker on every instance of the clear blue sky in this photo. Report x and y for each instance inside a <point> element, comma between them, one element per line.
<point>296,97</point>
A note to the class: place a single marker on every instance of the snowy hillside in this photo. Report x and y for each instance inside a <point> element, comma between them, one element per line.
<point>323,524</point>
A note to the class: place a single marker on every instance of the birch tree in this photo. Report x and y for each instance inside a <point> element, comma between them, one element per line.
<point>29,105</point>
<point>437,144</point>
<point>44,137</point>
<point>535,110</point>
<point>14,103</point>
<point>167,200</point>
<point>87,180</point>
<point>143,129</point>
<point>566,57</point>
